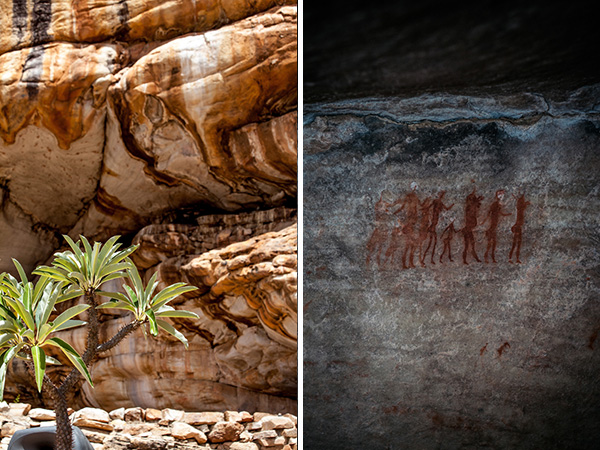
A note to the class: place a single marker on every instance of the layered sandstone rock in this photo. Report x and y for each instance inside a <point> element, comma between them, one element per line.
<point>99,138</point>
<point>162,241</point>
<point>119,114</point>
<point>174,109</point>
<point>243,346</point>
<point>26,24</point>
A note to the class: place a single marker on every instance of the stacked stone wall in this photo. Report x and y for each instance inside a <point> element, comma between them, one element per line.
<point>139,428</point>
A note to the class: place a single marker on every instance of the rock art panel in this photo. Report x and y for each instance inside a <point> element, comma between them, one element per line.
<point>414,232</point>
<point>452,273</point>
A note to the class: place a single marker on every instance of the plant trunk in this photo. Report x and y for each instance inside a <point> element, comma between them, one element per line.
<point>93,328</point>
<point>91,344</point>
<point>64,430</point>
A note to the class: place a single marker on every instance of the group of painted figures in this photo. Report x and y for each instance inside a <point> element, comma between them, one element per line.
<point>407,229</point>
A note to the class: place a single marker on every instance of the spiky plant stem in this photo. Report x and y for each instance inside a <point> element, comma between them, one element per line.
<point>64,430</point>
<point>122,334</point>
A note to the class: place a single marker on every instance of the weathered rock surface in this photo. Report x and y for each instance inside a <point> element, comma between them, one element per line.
<point>161,242</point>
<point>119,114</point>
<point>29,24</point>
<point>45,109</point>
<point>101,138</point>
<point>242,348</point>
<point>174,109</point>
<point>461,320</point>
<point>475,47</point>
<point>255,278</point>
<point>477,98</point>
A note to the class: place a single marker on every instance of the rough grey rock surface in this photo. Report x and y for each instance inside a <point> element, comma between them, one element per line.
<point>452,355</point>
<point>353,50</point>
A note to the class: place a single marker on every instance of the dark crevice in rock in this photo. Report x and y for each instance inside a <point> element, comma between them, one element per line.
<point>442,108</point>
<point>123,14</point>
<point>41,18</point>
<point>19,17</point>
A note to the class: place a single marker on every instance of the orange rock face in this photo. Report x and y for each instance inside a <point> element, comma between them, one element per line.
<point>25,24</point>
<point>59,87</point>
<point>101,138</point>
<point>119,114</point>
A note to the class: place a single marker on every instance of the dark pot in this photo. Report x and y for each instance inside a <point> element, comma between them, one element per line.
<point>43,439</point>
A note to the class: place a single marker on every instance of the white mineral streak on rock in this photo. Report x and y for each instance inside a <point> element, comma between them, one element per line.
<point>44,186</point>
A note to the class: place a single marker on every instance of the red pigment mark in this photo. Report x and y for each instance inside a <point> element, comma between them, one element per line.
<point>494,214</point>
<point>437,206</point>
<point>593,338</point>
<point>411,208</point>
<point>307,304</point>
<point>472,205</point>
<point>517,228</point>
<point>483,349</point>
<point>447,236</point>
<point>395,410</point>
<point>395,245</point>
<point>424,225</point>
<point>502,349</point>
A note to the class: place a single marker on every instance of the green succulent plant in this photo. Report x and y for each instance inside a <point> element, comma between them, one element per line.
<point>89,268</point>
<point>25,325</point>
<point>146,306</point>
<point>26,308</point>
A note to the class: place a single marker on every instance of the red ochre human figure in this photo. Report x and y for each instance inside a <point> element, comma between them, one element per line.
<point>410,206</point>
<point>494,214</point>
<point>472,205</point>
<point>446,237</point>
<point>424,208</point>
<point>517,228</point>
<point>395,245</point>
<point>381,233</point>
<point>437,205</point>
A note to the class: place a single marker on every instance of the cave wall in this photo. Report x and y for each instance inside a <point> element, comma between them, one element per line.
<point>476,328</point>
<point>451,220</point>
